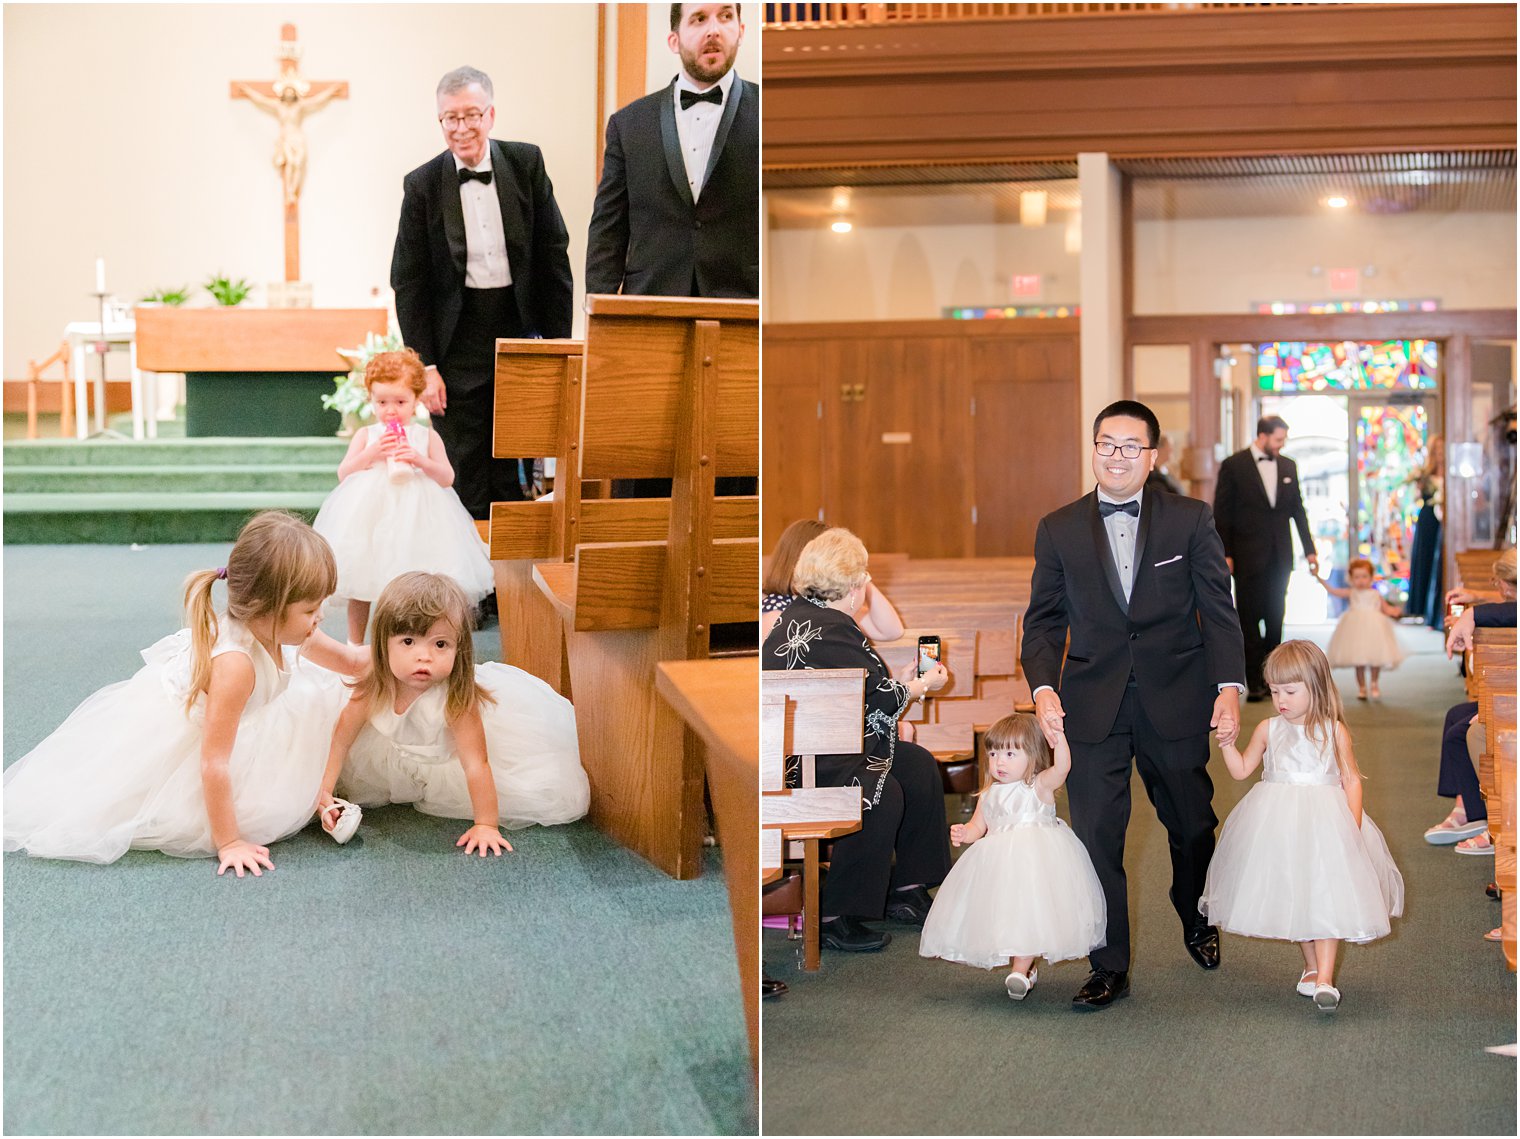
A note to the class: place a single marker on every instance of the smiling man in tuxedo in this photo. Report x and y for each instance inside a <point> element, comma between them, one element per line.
<point>677,212</point>
<point>1137,579</point>
<point>481,252</point>
<point>1257,495</point>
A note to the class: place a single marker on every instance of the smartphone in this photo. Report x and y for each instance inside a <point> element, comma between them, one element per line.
<point>929,650</point>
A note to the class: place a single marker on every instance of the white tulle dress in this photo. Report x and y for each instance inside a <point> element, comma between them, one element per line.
<point>124,770</point>
<point>530,743</point>
<point>1364,636</point>
<point>1291,862</point>
<point>379,529</point>
<point>1025,889</point>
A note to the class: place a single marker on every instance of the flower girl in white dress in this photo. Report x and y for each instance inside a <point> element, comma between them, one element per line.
<point>1027,889</point>
<point>1364,637</point>
<point>216,745</point>
<point>1298,859</point>
<point>427,726</point>
<point>394,508</point>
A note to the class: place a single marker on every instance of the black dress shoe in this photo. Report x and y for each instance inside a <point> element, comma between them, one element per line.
<point>1103,988</point>
<point>910,905</point>
<point>1492,890</point>
<point>770,988</point>
<point>1203,945</point>
<point>851,935</point>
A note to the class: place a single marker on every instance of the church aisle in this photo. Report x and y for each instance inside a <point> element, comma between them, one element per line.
<point>891,1043</point>
<point>391,986</point>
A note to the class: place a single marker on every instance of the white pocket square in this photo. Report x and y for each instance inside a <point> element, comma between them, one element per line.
<point>1168,562</point>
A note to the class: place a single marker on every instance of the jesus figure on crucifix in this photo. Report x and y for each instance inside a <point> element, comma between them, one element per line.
<point>292,103</point>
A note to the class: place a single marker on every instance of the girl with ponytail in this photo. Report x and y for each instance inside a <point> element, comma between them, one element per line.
<point>216,746</point>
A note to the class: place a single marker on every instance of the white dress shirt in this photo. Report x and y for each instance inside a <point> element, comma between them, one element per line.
<point>1122,534</point>
<point>485,264</point>
<point>1267,472</point>
<point>697,127</point>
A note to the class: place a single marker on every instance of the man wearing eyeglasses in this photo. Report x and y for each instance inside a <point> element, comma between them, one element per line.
<point>678,209</point>
<point>481,252</point>
<point>1257,494</point>
<point>1137,579</point>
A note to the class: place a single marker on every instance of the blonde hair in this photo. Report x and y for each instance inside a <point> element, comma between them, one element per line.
<point>402,367</point>
<point>830,565</point>
<point>278,560</point>
<point>408,607</point>
<point>1304,662</point>
<point>1504,566</point>
<point>1019,730</point>
<point>783,563</point>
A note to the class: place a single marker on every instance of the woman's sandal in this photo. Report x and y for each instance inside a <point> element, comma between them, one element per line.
<point>1305,986</point>
<point>1479,844</point>
<point>1018,985</point>
<point>1494,935</point>
<point>1450,830</point>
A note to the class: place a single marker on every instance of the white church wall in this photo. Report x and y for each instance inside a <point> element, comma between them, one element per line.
<point>913,273</point>
<point>122,142</point>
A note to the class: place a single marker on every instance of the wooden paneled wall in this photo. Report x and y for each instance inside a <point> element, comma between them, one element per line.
<point>1280,79</point>
<point>900,430</point>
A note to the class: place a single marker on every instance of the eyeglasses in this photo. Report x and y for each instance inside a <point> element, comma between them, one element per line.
<point>1128,450</point>
<point>471,119</point>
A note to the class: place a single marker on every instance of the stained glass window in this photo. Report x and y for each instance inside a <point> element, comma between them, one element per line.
<point>1390,450</point>
<point>1392,365</point>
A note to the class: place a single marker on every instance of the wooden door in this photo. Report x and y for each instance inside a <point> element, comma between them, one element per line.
<point>1023,420</point>
<point>792,466</point>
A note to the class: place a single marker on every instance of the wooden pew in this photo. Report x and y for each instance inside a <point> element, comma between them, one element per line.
<point>718,699</point>
<point>808,712</point>
<point>670,389</point>
<point>1504,839</point>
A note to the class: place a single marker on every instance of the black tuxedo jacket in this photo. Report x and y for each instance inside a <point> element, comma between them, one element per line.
<point>647,235</point>
<point>1178,634</point>
<point>427,266</point>
<point>1254,532</point>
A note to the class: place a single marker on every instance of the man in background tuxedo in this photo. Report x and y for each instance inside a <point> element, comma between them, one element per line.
<point>1136,577</point>
<point>677,212</point>
<point>1256,496</point>
<point>481,252</point>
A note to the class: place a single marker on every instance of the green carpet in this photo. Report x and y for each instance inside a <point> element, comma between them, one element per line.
<point>892,1043</point>
<point>392,986</point>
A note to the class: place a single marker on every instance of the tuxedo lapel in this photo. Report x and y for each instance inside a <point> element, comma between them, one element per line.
<point>730,112</point>
<point>1104,553</point>
<point>453,213</point>
<point>670,138</point>
<point>512,224</point>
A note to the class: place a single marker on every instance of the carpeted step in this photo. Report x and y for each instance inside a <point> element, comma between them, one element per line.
<point>178,478</point>
<point>174,452</point>
<point>143,518</point>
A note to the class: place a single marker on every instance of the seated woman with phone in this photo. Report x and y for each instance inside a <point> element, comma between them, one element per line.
<point>902,808</point>
<point>876,617</point>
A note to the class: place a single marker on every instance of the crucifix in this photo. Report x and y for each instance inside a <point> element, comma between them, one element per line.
<point>290,99</point>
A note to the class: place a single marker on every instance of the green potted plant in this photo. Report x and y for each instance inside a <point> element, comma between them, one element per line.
<point>227,291</point>
<point>349,396</point>
<point>172,297</point>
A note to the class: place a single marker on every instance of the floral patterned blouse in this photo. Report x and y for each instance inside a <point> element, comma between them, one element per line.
<point>811,635</point>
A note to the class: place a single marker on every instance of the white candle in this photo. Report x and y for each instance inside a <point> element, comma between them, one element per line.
<point>100,274</point>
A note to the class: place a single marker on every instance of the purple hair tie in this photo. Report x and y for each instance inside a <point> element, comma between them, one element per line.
<point>221,574</point>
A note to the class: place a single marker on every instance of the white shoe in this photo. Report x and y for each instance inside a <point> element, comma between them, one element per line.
<point>1326,997</point>
<point>1018,985</point>
<point>1305,986</point>
<point>348,821</point>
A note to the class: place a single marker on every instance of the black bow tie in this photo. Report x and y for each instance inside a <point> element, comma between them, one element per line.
<point>711,95</point>
<point>1132,508</point>
<point>468,175</point>
<point>1266,458</point>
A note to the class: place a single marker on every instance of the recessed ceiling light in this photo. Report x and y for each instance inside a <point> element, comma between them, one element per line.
<point>841,225</point>
<point>1337,202</point>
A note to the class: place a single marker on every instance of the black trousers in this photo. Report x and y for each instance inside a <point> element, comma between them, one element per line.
<point>1458,776</point>
<point>1260,599</point>
<point>466,425</point>
<point>1176,778</point>
<point>909,820</point>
